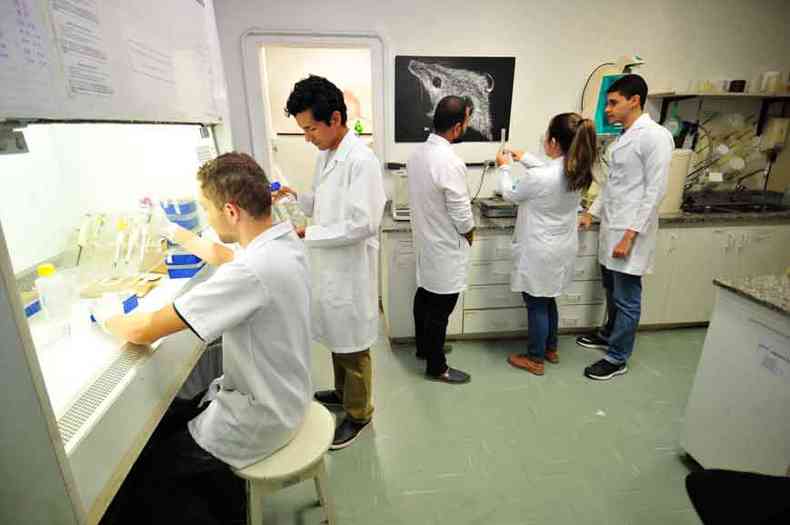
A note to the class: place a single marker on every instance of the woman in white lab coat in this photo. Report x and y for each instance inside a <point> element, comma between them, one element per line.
<point>545,242</point>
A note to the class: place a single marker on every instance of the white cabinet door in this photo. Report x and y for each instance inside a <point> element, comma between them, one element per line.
<point>588,243</point>
<point>655,286</point>
<point>583,292</point>
<point>724,257</point>
<point>491,248</point>
<point>492,296</point>
<point>400,278</point>
<point>489,272</point>
<point>691,291</point>
<point>580,315</point>
<point>767,250</point>
<point>497,320</point>
<point>587,268</point>
<point>455,324</point>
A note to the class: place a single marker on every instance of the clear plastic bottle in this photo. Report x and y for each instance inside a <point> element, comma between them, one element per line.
<point>56,293</point>
<point>286,208</point>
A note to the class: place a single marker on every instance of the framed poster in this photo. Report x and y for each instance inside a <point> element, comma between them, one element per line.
<point>421,82</point>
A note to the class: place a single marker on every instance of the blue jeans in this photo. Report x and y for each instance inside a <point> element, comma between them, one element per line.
<point>623,308</point>
<point>542,319</point>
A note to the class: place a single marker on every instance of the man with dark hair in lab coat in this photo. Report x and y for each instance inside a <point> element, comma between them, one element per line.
<point>443,229</point>
<point>628,208</point>
<point>346,204</point>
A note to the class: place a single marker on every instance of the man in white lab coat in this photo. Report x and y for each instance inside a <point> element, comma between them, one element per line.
<point>346,205</point>
<point>259,302</point>
<point>443,229</point>
<point>628,209</point>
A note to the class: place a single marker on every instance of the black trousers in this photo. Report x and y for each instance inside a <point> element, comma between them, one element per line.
<point>431,312</point>
<point>175,481</point>
<point>726,496</point>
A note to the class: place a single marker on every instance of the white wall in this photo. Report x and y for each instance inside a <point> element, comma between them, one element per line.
<point>349,67</point>
<point>556,45</point>
<point>286,65</point>
<point>73,169</point>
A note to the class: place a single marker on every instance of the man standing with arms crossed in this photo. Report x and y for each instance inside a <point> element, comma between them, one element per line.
<point>628,209</point>
<point>443,229</point>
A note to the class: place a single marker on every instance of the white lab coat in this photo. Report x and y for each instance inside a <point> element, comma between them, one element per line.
<point>546,240</point>
<point>346,204</point>
<point>260,304</point>
<point>441,214</point>
<point>629,200</point>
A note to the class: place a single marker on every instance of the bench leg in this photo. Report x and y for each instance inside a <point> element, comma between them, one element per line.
<point>322,487</point>
<point>254,504</point>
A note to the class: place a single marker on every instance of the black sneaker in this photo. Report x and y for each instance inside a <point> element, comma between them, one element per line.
<point>329,398</point>
<point>603,370</point>
<point>592,341</point>
<point>451,376</point>
<point>447,349</point>
<point>346,432</point>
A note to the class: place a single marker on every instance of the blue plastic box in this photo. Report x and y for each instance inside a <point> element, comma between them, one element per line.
<point>182,258</point>
<point>186,207</point>
<point>184,271</point>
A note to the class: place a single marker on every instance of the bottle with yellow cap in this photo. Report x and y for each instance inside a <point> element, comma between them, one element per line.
<point>55,293</point>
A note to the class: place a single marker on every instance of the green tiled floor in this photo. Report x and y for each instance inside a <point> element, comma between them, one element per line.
<point>512,448</point>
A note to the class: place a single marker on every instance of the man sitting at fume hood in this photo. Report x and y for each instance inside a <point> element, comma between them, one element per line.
<point>259,303</point>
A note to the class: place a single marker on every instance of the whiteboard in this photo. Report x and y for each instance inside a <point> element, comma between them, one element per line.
<point>121,60</point>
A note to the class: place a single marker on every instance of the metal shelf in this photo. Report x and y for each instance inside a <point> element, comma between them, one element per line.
<point>668,97</point>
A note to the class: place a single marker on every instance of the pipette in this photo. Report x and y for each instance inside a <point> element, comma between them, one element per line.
<point>121,225</point>
<point>503,146</point>
<point>86,228</point>
<point>133,236</point>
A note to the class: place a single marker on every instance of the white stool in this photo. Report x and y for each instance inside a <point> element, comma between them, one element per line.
<point>299,460</point>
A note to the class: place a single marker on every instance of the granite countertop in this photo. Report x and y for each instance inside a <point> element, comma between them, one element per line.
<point>390,225</point>
<point>771,291</point>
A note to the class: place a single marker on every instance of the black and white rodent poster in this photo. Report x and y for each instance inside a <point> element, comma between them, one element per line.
<point>421,82</point>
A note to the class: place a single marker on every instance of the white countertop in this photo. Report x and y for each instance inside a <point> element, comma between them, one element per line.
<point>72,362</point>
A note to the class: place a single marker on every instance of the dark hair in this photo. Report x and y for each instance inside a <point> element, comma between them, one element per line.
<point>237,178</point>
<point>630,85</point>
<point>451,110</point>
<point>577,140</point>
<point>318,95</point>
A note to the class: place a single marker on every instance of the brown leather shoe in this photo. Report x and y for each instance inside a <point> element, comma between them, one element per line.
<point>525,362</point>
<point>552,356</point>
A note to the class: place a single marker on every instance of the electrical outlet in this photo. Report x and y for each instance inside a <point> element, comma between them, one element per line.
<point>12,142</point>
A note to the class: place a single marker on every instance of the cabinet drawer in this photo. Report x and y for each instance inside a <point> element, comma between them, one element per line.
<point>493,296</point>
<point>502,320</point>
<point>494,248</point>
<point>588,243</point>
<point>490,272</point>
<point>583,292</point>
<point>580,315</point>
<point>587,268</point>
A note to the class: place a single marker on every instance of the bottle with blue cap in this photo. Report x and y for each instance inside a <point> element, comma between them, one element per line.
<point>287,209</point>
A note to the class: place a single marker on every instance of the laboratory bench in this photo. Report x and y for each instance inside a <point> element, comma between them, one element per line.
<point>692,250</point>
<point>736,417</point>
<point>107,396</point>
